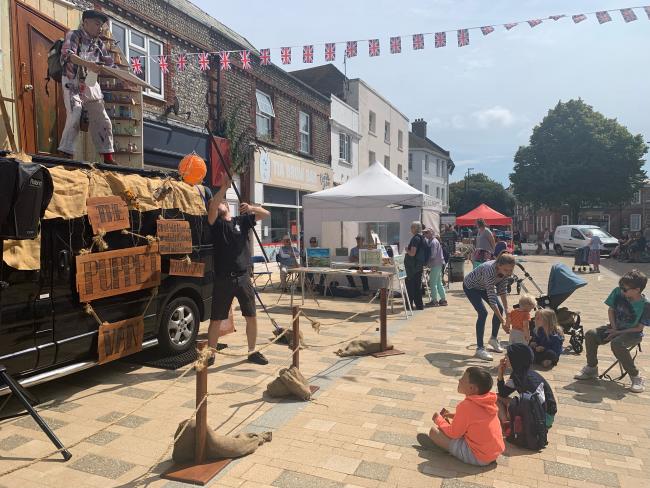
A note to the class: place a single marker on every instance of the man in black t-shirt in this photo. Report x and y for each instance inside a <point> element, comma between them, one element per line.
<point>232,262</point>
<point>414,265</point>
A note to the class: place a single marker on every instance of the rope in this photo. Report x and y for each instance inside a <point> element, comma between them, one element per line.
<point>88,308</point>
<point>259,349</point>
<point>150,239</point>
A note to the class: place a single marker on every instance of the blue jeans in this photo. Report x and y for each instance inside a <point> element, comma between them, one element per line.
<point>476,298</point>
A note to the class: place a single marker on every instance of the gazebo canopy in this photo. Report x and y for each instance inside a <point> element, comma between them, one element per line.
<point>491,217</point>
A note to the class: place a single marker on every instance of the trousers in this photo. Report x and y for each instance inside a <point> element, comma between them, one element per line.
<point>435,283</point>
<point>476,298</point>
<point>620,345</point>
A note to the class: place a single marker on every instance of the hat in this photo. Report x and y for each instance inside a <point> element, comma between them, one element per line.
<point>94,14</point>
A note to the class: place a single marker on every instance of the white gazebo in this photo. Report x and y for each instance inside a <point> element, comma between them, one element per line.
<point>376,195</point>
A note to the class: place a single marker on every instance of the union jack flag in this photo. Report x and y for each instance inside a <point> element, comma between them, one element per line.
<point>395,45</point>
<point>245,58</point>
<point>511,26</point>
<point>164,65</point>
<point>557,17</point>
<point>351,49</point>
<point>373,47</point>
<point>418,41</point>
<point>136,65</point>
<point>647,11</point>
<point>330,51</point>
<point>603,17</point>
<point>181,62</point>
<point>265,57</point>
<point>204,61</point>
<point>285,55</point>
<point>308,54</point>
<point>488,29</point>
<point>463,37</point>
<point>440,39</point>
<point>224,60</point>
<point>578,18</point>
<point>628,14</point>
<point>534,22</point>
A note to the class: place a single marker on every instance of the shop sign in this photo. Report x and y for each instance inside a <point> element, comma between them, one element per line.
<point>289,172</point>
<point>175,236</point>
<point>448,219</point>
<point>120,339</point>
<point>107,213</point>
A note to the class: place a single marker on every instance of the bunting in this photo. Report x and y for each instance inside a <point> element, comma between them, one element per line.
<point>373,48</point>
<point>330,51</point>
<point>418,41</point>
<point>136,65</point>
<point>441,39</point>
<point>603,17</point>
<point>351,49</point>
<point>224,60</point>
<point>181,62</point>
<point>556,17</point>
<point>204,61</point>
<point>579,18</point>
<point>511,26</point>
<point>488,29</point>
<point>265,57</point>
<point>245,58</point>
<point>534,22</point>
<point>647,11</point>
<point>628,15</point>
<point>395,45</point>
<point>164,65</point>
<point>285,55</point>
<point>463,37</point>
<point>308,54</point>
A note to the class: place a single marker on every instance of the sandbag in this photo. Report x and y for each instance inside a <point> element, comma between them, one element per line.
<point>290,382</point>
<point>217,446</point>
<point>288,337</point>
<point>360,348</point>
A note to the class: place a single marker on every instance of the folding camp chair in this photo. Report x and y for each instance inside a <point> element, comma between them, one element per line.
<point>606,375</point>
<point>263,275</point>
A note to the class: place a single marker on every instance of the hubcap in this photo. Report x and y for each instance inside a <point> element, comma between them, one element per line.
<point>181,325</point>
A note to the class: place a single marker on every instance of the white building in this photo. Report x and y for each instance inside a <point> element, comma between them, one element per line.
<point>429,165</point>
<point>344,124</point>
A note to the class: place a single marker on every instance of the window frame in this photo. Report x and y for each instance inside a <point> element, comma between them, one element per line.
<point>302,133</point>
<point>437,192</point>
<point>400,171</point>
<point>372,122</point>
<point>387,162</point>
<point>262,114</point>
<point>345,148</point>
<point>426,164</point>
<point>426,189</point>
<point>386,132</point>
<point>636,199</point>
<point>400,140</point>
<point>635,228</point>
<point>564,219</point>
<point>410,161</point>
<point>373,159</point>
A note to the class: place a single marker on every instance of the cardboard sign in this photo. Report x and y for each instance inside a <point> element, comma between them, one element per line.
<point>180,267</point>
<point>175,236</point>
<point>109,273</point>
<point>107,213</point>
<point>120,339</point>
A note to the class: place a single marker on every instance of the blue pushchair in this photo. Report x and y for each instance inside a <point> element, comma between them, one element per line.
<point>581,260</point>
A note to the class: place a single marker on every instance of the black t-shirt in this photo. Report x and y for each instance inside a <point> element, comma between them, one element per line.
<point>230,239</point>
<point>417,241</point>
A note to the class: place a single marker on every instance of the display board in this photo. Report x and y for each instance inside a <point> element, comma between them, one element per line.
<point>370,258</point>
<point>175,236</point>
<point>181,267</point>
<point>107,213</point>
<point>120,339</point>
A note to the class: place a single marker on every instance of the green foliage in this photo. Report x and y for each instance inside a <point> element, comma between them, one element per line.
<point>578,157</point>
<point>480,189</point>
<point>240,148</point>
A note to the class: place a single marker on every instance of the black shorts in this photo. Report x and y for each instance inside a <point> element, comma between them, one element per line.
<point>226,288</point>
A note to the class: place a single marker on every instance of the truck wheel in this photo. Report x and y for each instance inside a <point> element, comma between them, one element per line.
<point>179,325</point>
<point>558,250</point>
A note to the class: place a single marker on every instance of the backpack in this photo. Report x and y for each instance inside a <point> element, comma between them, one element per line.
<point>54,66</point>
<point>528,420</point>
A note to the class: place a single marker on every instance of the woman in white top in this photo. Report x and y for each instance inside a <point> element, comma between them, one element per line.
<point>595,245</point>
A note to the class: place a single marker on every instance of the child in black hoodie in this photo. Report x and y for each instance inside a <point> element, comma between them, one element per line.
<point>520,358</point>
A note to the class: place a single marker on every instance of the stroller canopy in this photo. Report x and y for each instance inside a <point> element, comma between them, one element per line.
<point>563,281</point>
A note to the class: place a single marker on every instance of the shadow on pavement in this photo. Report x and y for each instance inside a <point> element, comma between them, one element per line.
<point>453,364</point>
<point>595,391</point>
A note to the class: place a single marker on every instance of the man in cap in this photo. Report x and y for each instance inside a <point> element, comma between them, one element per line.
<point>82,53</point>
<point>354,258</point>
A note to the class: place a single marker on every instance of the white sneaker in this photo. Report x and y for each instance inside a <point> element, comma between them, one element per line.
<point>495,345</point>
<point>587,373</point>
<point>637,384</point>
<point>481,353</point>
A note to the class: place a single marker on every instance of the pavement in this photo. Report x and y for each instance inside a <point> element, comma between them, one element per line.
<point>358,431</point>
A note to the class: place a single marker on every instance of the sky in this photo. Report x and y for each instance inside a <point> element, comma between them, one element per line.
<point>481,101</point>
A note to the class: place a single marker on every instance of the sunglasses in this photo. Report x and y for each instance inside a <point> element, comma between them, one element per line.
<point>624,290</point>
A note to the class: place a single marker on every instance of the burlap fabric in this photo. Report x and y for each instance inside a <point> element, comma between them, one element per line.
<point>290,382</point>
<point>217,446</point>
<point>359,348</point>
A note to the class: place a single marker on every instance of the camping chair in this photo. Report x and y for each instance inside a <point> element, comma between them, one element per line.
<point>606,375</point>
<point>264,275</point>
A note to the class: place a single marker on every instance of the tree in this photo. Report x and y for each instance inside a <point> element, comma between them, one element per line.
<point>578,157</point>
<point>469,193</point>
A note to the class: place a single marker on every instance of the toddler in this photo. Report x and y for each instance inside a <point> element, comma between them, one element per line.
<point>547,339</point>
<point>520,320</point>
<point>473,433</point>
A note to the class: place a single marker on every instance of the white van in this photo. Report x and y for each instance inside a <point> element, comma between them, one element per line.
<point>571,237</point>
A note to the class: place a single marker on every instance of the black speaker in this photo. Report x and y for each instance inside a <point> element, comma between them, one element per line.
<point>25,192</point>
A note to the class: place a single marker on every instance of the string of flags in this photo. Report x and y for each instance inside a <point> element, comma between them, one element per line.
<point>225,58</point>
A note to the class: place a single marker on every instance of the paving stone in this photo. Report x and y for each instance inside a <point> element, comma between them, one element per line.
<point>418,380</point>
<point>62,407</point>
<point>133,392</point>
<point>395,394</point>
<point>291,479</point>
<point>402,413</point>
<point>12,442</point>
<point>29,423</point>
<point>132,421</point>
<point>562,400</point>
<point>373,471</point>
<point>454,483</point>
<point>573,422</point>
<point>102,438</point>
<point>189,404</point>
<point>581,474</point>
<point>248,373</point>
<point>394,438</point>
<point>102,466</point>
<point>395,367</point>
<point>110,417</point>
<point>599,445</point>
<point>228,386</point>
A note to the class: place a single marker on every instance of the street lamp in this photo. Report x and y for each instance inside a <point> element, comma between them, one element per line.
<point>469,170</point>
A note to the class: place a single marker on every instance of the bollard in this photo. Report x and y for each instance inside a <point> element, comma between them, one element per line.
<point>295,312</point>
<point>202,413</point>
<point>384,349</point>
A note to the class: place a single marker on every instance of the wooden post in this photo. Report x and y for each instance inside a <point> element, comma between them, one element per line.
<point>384,348</point>
<point>202,414</point>
<point>295,311</point>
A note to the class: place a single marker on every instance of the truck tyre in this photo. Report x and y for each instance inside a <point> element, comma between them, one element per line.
<point>179,325</point>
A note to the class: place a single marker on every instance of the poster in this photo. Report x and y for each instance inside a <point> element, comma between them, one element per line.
<point>400,269</point>
<point>318,257</point>
<point>370,258</point>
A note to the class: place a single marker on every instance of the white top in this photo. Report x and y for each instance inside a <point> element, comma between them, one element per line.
<point>595,244</point>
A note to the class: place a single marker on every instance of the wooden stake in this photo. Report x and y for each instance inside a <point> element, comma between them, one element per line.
<point>202,414</point>
<point>295,312</point>
<point>384,348</point>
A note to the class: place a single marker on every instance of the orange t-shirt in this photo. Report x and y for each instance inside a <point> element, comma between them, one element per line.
<point>518,317</point>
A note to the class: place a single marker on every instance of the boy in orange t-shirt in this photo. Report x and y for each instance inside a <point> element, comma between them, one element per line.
<point>520,320</point>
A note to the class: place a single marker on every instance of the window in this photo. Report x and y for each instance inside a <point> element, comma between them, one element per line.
<point>410,161</point>
<point>399,171</point>
<point>344,147</point>
<point>575,234</point>
<point>426,164</point>
<point>564,220</point>
<point>387,132</point>
<point>133,43</point>
<point>400,140</point>
<point>438,165</point>
<point>371,157</point>
<point>304,123</point>
<point>636,199</point>
<point>372,122</point>
<point>606,222</point>
<point>437,192</point>
<point>387,162</point>
<point>442,195</point>
<point>426,189</point>
<point>635,222</point>
<point>264,116</point>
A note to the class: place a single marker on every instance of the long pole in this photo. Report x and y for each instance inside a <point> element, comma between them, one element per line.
<point>201,429</point>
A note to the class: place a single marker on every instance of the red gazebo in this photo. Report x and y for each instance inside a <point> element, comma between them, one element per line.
<point>491,217</point>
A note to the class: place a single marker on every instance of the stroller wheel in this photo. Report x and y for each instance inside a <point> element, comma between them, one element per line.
<point>576,344</point>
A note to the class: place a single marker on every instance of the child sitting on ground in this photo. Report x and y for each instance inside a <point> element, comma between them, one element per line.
<point>547,339</point>
<point>522,380</point>
<point>520,320</point>
<point>473,433</point>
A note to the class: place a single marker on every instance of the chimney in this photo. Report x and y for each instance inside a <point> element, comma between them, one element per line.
<point>419,128</point>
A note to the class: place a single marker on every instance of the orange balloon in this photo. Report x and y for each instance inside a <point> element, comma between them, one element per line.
<point>192,169</point>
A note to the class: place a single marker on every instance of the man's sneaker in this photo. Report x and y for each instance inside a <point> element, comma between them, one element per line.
<point>442,303</point>
<point>637,384</point>
<point>481,353</point>
<point>494,344</point>
<point>587,373</point>
<point>258,358</point>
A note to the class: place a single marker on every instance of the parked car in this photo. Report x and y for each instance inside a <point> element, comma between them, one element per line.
<point>568,238</point>
<point>45,332</point>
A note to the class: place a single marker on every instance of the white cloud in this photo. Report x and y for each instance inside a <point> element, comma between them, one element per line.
<point>458,122</point>
<point>496,115</point>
